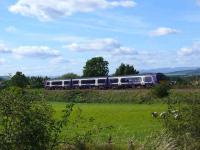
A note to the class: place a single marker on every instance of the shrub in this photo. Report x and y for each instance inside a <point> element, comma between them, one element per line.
<point>28,123</point>
<point>161,90</point>
<point>182,121</point>
<point>161,140</point>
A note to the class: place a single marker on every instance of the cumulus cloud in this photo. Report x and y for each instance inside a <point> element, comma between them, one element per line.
<point>189,51</point>
<point>35,51</point>
<point>46,10</point>
<point>162,31</point>
<point>101,45</point>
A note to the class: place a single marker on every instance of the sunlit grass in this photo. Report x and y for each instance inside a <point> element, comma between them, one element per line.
<point>127,120</point>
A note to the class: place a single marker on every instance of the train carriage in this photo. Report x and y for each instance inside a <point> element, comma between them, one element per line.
<point>104,82</point>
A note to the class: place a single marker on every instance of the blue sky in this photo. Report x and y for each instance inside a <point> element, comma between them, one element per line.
<point>53,37</point>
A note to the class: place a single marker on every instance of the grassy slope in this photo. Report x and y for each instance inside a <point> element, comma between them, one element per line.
<point>128,120</point>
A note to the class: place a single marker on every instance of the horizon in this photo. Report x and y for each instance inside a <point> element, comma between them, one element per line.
<point>49,37</point>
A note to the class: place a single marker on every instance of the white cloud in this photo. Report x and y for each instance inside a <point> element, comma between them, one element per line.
<point>46,10</point>
<point>35,51</point>
<point>4,48</point>
<point>59,60</point>
<point>101,45</point>
<point>194,50</point>
<point>162,31</point>
<point>2,61</point>
<point>125,51</point>
<point>11,29</point>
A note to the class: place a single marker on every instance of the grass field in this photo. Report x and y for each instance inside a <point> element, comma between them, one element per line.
<point>120,121</point>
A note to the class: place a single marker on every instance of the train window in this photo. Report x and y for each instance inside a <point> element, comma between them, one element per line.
<point>124,80</point>
<point>48,83</point>
<point>114,80</point>
<point>147,79</point>
<point>88,82</point>
<point>66,82</point>
<point>57,83</point>
<point>101,80</point>
<point>75,82</point>
<point>136,79</point>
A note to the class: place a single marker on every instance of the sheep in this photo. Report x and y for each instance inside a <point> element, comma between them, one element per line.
<point>163,115</point>
<point>154,114</point>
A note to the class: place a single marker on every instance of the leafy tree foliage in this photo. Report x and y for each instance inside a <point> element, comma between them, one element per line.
<point>125,69</point>
<point>95,67</point>
<point>28,124</point>
<point>19,80</point>
<point>161,77</point>
<point>69,76</point>
<point>37,82</point>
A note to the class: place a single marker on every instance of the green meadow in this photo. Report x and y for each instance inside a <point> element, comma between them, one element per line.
<point>120,122</point>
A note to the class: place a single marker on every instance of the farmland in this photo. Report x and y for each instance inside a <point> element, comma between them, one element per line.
<point>126,120</point>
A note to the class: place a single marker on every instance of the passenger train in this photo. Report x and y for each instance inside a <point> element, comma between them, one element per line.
<point>132,81</point>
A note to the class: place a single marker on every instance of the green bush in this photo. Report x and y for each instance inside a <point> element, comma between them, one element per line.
<point>161,90</point>
<point>182,121</point>
<point>27,121</point>
<point>99,96</point>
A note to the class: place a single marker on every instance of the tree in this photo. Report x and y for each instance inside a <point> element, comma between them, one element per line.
<point>69,76</point>
<point>37,82</point>
<point>19,80</point>
<point>162,77</point>
<point>95,67</point>
<point>125,69</point>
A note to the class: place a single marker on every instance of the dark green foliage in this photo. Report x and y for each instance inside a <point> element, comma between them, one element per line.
<point>161,90</point>
<point>162,77</point>
<point>37,82</point>
<point>100,96</point>
<point>125,69</point>
<point>95,67</point>
<point>19,80</point>
<point>69,76</point>
<point>186,81</point>
<point>183,123</point>
<point>27,123</point>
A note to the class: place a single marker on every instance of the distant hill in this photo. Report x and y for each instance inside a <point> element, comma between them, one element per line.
<point>186,72</point>
<point>168,70</point>
<point>4,77</point>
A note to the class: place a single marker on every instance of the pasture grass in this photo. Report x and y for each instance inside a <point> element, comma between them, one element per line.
<point>122,122</point>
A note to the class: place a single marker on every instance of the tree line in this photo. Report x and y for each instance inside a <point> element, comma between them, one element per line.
<point>98,66</point>
<point>94,67</point>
